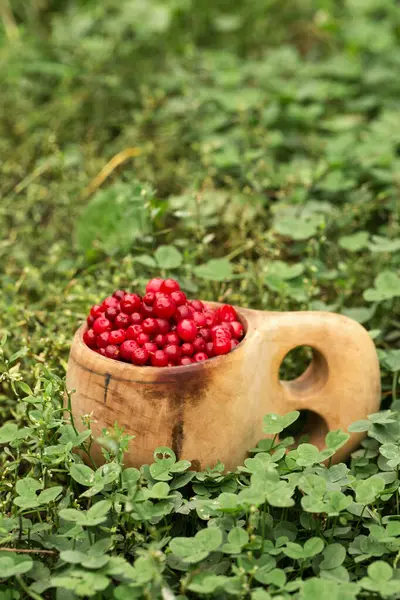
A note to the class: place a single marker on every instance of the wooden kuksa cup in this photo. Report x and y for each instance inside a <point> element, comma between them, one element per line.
<point>214,410</point>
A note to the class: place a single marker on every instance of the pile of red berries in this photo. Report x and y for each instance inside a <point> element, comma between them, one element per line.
<point>162,328</point>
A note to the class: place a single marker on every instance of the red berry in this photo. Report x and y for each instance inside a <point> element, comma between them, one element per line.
<point>211,317</point>
<point>200,356</point>
<point>237,329</point>
<point>150,325</point>
<point>140,356</point>
<point>149,298</point>
<point>102,339</point>
<point>173,352</point>
<point>172,338</point>
<point>226,313</point>
<point>222,328</point>
<point>136,318</point>
<point>199,319</point>
<point>97,311</point>
<point>102,351</point>
<point>205,333</point>
<point>183,312</point>
<point>186,360</point>
<point>147,311</point>
<point>170,285</point>
<point>126,349</point>
<point>199,345</point>
<point>154,285</point>
<point>197,305</point>
<point>210,349</point>
<point>164,307</point>
<point>178,297</point>
<point>131,303</point>
<point>163,326</point>
<point>222,344</point>
<point>142,338</point>
<point>119,294</point>
<point>122,321</point>
<point>101,324</point>
<point>187,330</point>
<point>234,343</point>
<point>110,302</point>
<point>159,359</point>
<point>112,351</point>
<point>90,320</point>
<point>89,337</point>
<point>117,336</point>
<point>160,340</point>
<point>133,331</point>
<point>111,313</point>
<point>187,349</point>
<point>151,347</point>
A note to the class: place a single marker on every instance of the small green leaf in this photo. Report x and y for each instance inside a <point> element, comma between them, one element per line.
<point>334,555</point>
<point>216,269</point>
<point>168,257</point>
<point>336,439</point>
<point>354,242</point>
<point>82,474</point>
<point>380,571</point>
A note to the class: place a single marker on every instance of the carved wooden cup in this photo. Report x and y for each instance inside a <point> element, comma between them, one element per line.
<point>214,410</point>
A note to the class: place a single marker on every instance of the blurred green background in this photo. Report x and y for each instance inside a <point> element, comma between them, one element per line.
<point>256,159</point>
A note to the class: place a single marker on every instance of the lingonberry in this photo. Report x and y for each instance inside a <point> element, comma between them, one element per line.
<point>185,360</point>
<point>172,338</point>
<point>205,333</point>
<point>122,321</point>
<point>102,339</point>
<point>160,339</point>
<point>159,359</point>
<point>131,303</point>
<point>142,338</point>
<point>222,344</point>
<point>173,353</point>
<point>101,324</point>
<point>222,328</point>
<point>150,326</point>
<point>199,344</point>
<point>119,294</point>
<point>200,356</point>
<point>163,326</point>
<point>226,313</point>
<point>90,320</point>
<point>170,285</point>
<point>147,311</point>
<point>199,319</point>
<point>97,311</point>
<point>187,330</point>
<point>151,347</point>
<point>197,305</point>
<point>164,307</point>
<point>210,318</point>
<point>111,313</point>
<point>140,356</point>
<point>112,351</point>
<point>234,343</point>
<point>187,349</point>
<point>102,351</point>
<point>110,302</point>
<point>149,298</point>
<point>210,349</point>
<point>183,312</point>
<point>89,337</point>
<point>117,336</point>
<point>133,331</point>
<point>237,329</point>
<point>136,318</point>
<point>178,297</point>
<point>126,349</point>
<point>154,285</point>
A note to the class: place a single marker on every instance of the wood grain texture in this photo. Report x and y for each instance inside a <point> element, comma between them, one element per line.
<point>213,410</point>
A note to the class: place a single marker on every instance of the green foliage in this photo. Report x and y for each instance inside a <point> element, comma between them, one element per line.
<point>262,141</point>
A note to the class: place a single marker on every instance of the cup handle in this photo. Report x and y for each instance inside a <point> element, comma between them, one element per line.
<point>342,383</point>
